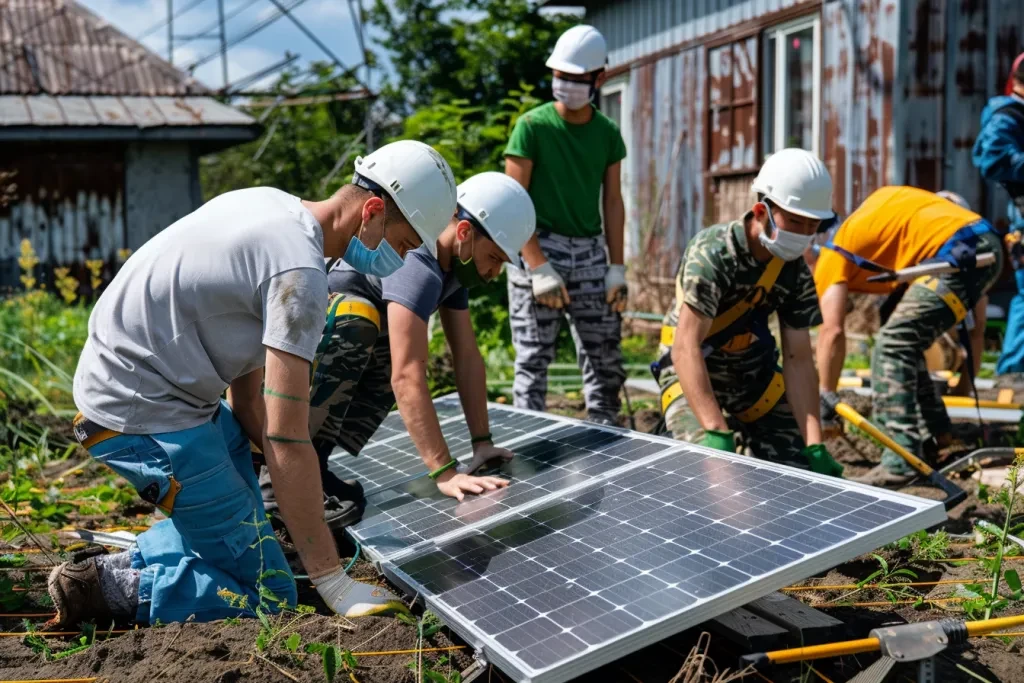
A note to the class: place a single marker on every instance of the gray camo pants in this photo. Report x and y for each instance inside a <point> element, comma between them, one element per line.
<point>596,329</point>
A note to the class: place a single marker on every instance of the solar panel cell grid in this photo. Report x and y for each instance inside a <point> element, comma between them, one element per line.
<point>611,557</point>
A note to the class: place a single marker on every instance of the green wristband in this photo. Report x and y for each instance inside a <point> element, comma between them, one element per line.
<point>486,438</point>
<point>443,468</point>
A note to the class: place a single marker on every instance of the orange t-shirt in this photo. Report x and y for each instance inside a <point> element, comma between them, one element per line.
<point>896,227</point>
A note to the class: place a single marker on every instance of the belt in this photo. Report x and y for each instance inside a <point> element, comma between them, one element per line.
<point>945,293</point>
<point>768,400</point>
<point>89,434</point>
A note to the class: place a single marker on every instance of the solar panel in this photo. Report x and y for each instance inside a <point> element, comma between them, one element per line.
<point>446,406</point>
<point>394,460</point>
<point>560,585</point>
<point>553,455</point>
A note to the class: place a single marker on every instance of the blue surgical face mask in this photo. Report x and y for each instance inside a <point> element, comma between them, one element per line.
<point>382,261</point>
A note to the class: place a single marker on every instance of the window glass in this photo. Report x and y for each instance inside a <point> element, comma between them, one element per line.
<point>799,93</point>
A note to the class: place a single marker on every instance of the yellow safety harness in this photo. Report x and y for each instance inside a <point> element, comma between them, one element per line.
<point>733,343</point>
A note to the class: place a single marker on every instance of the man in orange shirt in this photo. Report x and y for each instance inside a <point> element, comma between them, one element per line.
<point>895,228</point>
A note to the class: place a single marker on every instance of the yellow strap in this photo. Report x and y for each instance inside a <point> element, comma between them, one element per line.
<point>669,394</point>
<point>668,335</point>
<point>946,294</point>
<point>755,298</point>
<point>776,388</point>
<point>360,309</point>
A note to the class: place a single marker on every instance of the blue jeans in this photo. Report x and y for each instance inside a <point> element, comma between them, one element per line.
<point>1012,357</point>
<point>217,536</point>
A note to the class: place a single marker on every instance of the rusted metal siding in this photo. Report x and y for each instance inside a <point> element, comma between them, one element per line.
<point>666,157</point>
<point>859,74</point>
<point>69,204</point>
<point>640,28</point>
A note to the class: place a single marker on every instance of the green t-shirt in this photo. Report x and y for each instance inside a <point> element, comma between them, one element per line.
<point>569,162</point>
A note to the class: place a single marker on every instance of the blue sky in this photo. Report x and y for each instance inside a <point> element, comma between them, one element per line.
<point>328,19</point>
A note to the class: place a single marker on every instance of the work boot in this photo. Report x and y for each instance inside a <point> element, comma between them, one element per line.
<point>883,477</point>
<point>602,419</point>
<point>77,595</point>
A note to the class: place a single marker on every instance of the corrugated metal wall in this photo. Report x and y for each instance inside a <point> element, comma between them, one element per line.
<point>903,86</point>
<point>859,63</point>
<point>639,28</point>
<point>666,157</point>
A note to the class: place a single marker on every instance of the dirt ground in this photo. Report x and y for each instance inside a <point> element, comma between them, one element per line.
<point>227,652</point>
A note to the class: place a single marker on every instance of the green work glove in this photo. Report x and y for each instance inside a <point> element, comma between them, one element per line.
<point>723,441</point>
<point>821,460</point>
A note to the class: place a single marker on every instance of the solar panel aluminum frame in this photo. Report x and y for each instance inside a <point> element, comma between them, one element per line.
<point>928,513</point>
<point>560,421</point>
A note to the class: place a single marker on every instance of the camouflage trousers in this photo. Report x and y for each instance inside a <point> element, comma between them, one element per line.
<point>775,436</point>
<point>350,393</point>
<point>596,329</point>
<point>905,402</point>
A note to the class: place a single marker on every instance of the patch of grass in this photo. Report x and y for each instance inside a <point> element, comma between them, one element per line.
<point>924,546</point>
<point>857,361</point>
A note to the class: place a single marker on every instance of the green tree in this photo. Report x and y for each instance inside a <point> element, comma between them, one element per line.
<point>473,50</point>
<point>300,145</point>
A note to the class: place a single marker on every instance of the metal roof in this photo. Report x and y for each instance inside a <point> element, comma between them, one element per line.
<point>58,47</point>
<point>38,117</point>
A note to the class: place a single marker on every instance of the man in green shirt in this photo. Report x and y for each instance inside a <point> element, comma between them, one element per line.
<point>564,153</point>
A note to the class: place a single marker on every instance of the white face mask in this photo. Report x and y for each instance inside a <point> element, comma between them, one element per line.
<point>572,94</point>
<point>788,246</point>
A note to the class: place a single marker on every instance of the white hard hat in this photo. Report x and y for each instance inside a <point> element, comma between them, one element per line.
<point>579,50</point>
<point>419,180</point>
<point>798,182</point>
<point>502,207</point>
<point>955,198</point>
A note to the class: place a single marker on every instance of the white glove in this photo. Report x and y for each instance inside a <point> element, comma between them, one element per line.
<point>351,598</point>
<point>615,287</point>
<point>548,286</point>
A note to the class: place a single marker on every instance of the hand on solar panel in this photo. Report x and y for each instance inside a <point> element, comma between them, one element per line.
<point>488,454</point>
<point>457,484</point>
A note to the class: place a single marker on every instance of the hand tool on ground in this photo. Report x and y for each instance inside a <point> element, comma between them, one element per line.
<point>954,494</point>
<point>919,642</point>
<point>936,268</point>
<point>984,457</point>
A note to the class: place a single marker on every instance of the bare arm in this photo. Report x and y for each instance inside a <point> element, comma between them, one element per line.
<point>408,333</point>
<point>247,404</point>
<point>470,372</point>
<point>614,213</point>
<point>521,169</point>
<point>293,462</point>
<point>688,360</point>
<point>801,383</point>
<point>832,336</point>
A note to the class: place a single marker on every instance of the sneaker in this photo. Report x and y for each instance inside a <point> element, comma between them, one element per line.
<point>77,595</point>
<point>883,477</point>
<point>602,420</point>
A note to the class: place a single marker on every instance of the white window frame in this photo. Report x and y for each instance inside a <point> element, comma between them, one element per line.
<point>620,85</point>
<point>780,33</point>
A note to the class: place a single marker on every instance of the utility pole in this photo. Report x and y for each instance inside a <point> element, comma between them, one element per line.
<point>223,42</point>
<point>170,31</point>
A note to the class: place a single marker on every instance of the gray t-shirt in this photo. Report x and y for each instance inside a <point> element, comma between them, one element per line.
<point>194,308</point>
<point>420,285</point>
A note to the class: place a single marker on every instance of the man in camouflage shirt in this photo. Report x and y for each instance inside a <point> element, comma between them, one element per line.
<point>733,276</point>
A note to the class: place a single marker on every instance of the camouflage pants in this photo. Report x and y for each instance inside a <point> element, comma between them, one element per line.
<point>905,402</point>
<point>596,329</point>
<point>775,436</point>
<point>350,394</point>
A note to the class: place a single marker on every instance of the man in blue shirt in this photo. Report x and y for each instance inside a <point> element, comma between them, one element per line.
<point>999,155</point>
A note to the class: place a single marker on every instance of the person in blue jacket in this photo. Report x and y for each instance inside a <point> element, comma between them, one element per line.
<point>999,155</point>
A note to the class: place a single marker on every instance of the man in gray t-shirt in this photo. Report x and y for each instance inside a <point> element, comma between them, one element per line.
<point>375,346</point>
<point>232,296</point>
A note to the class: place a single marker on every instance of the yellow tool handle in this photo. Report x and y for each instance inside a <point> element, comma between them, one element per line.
<point>853,647</point>
<point>855,418</point>
<point>968,402</point>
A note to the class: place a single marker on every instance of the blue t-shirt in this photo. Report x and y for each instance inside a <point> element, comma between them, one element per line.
<point>420,285</point>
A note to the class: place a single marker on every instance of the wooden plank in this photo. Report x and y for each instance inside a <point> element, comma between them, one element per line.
<point>805,623</point>
<point>746,629</point>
